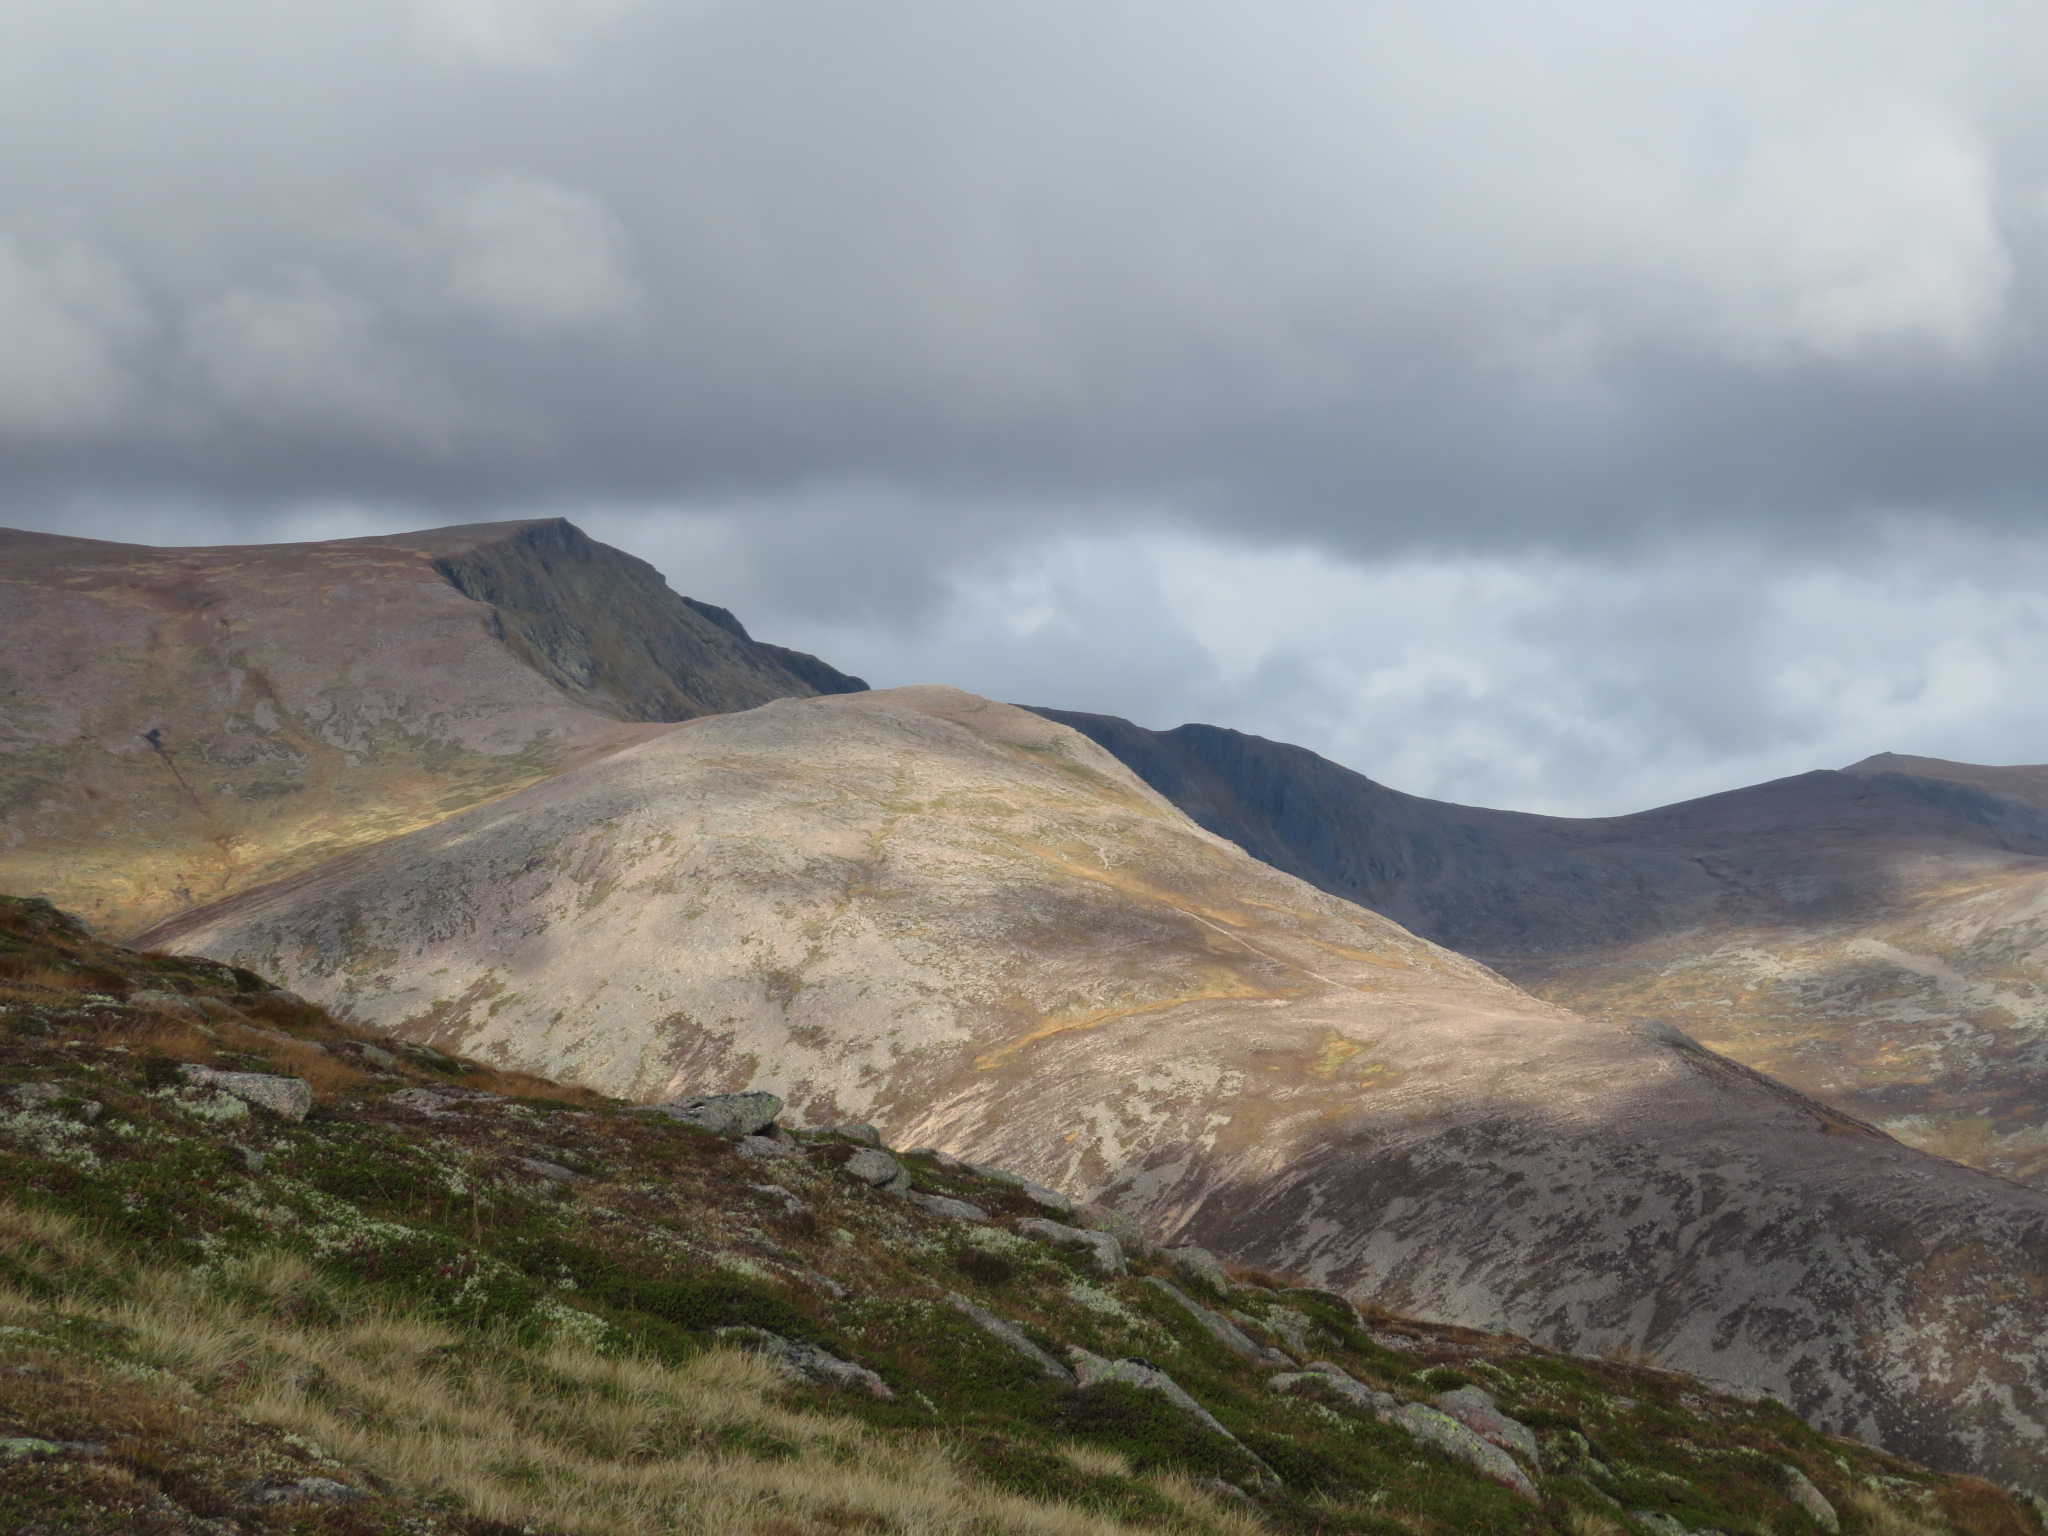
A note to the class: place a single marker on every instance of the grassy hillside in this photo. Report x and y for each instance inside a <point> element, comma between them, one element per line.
<point>450,1300</point>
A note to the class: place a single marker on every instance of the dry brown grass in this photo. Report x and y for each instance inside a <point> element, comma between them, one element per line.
<point>1583,1522</point>
<point>519,1085</point>
<point>33,976</point>
<point>563,1438</point>
<point>1884,1517</point>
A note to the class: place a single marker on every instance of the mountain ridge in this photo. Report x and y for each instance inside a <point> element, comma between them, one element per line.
<point>977,929</point>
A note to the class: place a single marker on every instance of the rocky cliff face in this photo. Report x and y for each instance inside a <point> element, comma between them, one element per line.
<point>978,929</point>
<point>1876,936</point>
<point>180,723</point>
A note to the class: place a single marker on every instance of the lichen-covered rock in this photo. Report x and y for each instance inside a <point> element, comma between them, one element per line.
<point>1101,1247</point>
<point>873,1166</point>
<point>1010,1334</point>
<point>1439,1429</point>
<point>1089,1369</point>
<point>766,1146</point>
<point>1199,1267</point>
<point>807,1362</point>
<point>1219,1327</point>
<point>1037,1194</point>
<point>1809,1498</point>
<point>946,1206</point>
<point>1130,1235</point>
<point>723,1114</point>
<point>289,1098</point>
<point>1476,1409</point>
<point>866,1135</point>
<point>1334,1378</point>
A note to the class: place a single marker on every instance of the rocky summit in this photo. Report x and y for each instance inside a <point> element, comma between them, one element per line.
<point>980,931</point>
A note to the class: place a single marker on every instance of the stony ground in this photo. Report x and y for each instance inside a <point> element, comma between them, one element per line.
<point>450,1300</point>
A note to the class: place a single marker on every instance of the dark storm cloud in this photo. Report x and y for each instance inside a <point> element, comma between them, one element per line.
<point>1458,272</point>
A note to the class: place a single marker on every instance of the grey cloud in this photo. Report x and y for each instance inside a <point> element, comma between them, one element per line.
<point>1373,275</point>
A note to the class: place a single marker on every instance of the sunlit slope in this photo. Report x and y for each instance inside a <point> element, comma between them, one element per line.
<point>979,930</point>
<point>176,724</point>
<point>1874,936</point>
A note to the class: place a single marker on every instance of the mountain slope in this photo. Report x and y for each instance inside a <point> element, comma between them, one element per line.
<point>981,931</point>
<point>1876,936</point>
<point>180,723</point>
<point>444,1303</point>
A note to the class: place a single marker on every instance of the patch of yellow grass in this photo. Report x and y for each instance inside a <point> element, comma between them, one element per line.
<point>561,1437</point>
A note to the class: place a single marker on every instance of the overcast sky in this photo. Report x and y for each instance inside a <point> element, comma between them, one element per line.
<point>1571,407</point>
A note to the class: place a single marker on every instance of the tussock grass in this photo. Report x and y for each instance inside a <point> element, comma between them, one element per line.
<point>557,1436</point>
<point>1886,1517</point>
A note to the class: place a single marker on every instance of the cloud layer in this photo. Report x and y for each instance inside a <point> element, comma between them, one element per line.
<point>1665,319</point>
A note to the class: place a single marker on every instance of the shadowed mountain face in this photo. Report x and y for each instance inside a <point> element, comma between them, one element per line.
<point>1876,936</point>
<point>180,723</point>
<point>976,928</point>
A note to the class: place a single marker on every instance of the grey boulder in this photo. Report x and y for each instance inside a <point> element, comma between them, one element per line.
<point>873,1166</point>
<point>723,1114</point>
<point>1010,1334</point>
<point>807,1363</point>
<point>942,1205</point>
<point>1434,1427</point>
<point>289,1098</point>
<point>1107,1253</point>
<point>1811,1499</point>
<point>1475,1408</point>
<point>1219,1327</point>
<point>1200,1267</point>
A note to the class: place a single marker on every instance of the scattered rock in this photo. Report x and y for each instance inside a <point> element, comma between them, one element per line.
<point>541,1168</point>
<point>172,1005</point>
<point>1660,1524</point>
<point>871,1165</point>
<point>421,1101</point>
<point>1200,1267</point>
<point>722,1114</point>
<point>943,1205</point>
<point>1091,1369</point>
<point>1219,1327</point>
<point>807,1362</point>
<point>1106,1251</point>
<point>1476,1409</point>
<point>91,1110</point>
<point>289,1098</point>
<point>766,1146</point>
<point>866,1135</point>
<point>1037,1194</point>
<point>1335,1378</point>
<point>1131,1236</point>
<point>1292,1328</point>
<point>305,1490</point>
<point>1445,1433</point>
<point>1013,1336</point>
<point>1809,1498</point>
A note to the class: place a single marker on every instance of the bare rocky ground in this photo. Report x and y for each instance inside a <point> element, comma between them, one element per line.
<point>264,1272</point>
<point>976,929</point>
